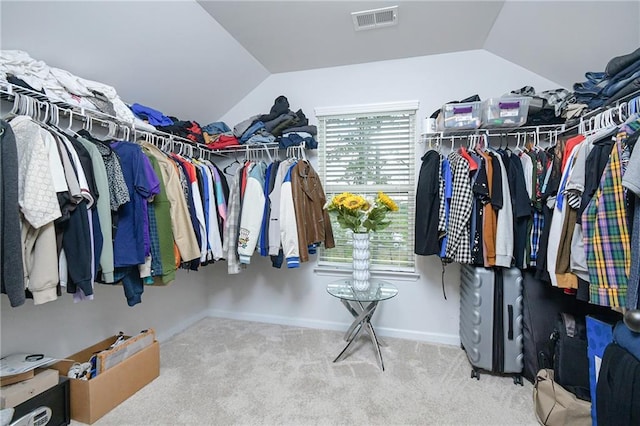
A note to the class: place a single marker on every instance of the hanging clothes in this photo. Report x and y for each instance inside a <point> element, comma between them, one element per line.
<point>489,213</point>
<point>183,232</point>
<point>520,204</point>
<point>275,238</point>
<point>458,246</point>
<point>504,223</point>
<point>288,226</point>
<point>269,178</point>
<point>312,219</point>
<point>230,244</point>
<point>606,237</point>
<point>11,277</point>
<point>427,205</point>
<point>251,218</point>
<point>129,243</point>
<point>103,209</point>
<point>39,206</point>
<point>160,226</point>
<point>481,198</point>
<point>631,181</point>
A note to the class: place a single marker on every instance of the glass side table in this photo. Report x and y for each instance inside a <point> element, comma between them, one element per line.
<point>362,305</point>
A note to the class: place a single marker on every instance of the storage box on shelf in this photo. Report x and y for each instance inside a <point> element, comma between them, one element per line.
<point>93,398</point>
<point>505,112</point>
<point>460,116</point>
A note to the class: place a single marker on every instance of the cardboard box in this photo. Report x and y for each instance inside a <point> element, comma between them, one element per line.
<point>17,393</point>
<point>15,378</point>
<point>93,398</point>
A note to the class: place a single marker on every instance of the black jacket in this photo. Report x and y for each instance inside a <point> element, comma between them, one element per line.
<point>427,205</point>
<point>618,388</point>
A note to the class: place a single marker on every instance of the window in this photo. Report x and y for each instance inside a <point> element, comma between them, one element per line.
<point>364,150</point>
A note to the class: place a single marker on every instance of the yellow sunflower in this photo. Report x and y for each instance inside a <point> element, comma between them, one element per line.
<point>384,199</point>
<point>354,202</point>
<point>339,199</point>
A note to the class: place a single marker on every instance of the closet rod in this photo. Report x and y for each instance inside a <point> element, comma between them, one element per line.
<point>9,90</point>
<point>513,131</point>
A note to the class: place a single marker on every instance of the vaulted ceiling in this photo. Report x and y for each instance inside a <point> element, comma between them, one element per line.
<point>198,59</point>
<point>559,40</point>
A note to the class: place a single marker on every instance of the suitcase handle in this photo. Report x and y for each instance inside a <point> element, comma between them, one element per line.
<point>510,330</point>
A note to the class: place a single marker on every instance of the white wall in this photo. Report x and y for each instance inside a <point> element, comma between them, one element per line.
<point>61,327</point>
<point>299,296</point>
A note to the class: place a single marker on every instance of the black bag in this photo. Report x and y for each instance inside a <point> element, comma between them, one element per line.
<point>570,359</point>
<point>541,307</point>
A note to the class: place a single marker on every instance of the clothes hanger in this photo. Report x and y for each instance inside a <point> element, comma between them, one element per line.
<point>15,107</point>
<point>126,132</point>
<point>235,162</point>
<point>519,137</point>
<point>268,153</point>
<point>473,166</point>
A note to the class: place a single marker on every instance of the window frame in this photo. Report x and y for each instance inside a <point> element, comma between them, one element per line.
<point>411,109</point>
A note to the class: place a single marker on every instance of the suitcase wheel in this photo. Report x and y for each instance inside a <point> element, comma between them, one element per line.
<point>517,380</point>
<point>475,373</point>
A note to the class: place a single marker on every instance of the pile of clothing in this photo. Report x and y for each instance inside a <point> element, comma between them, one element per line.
<point>186,129</point>
<point>17,67</point>
<point>550,106</point>
<point>218,135</point>
<point>620,78</point>
<point>281,124</point>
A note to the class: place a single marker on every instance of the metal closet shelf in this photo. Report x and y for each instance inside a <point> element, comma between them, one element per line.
<point>127,130</point>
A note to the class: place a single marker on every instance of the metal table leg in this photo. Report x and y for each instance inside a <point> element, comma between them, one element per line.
<point>359,312</point>
<point>362,321</point>
<point>375,342</point>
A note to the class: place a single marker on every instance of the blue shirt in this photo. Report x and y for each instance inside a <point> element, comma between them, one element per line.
<point>128,245</point>
<point>448,193</point>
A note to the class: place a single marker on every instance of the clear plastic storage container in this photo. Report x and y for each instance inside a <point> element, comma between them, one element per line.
<point>460,116</point>
<point>505,112</point>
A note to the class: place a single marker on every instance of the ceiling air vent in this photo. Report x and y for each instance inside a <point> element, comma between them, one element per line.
<point>375,18</point>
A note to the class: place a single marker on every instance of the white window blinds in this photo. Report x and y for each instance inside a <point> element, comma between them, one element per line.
<point>365,152</point>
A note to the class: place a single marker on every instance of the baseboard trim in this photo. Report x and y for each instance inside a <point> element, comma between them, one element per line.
<point>180,327</point>
<point>440,338</point>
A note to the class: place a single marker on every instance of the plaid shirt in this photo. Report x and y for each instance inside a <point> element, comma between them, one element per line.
<point>458,247</point>
<point>536,231</point>
<point>156,264</point>
<point>230,245</point>
<point>606,236</point>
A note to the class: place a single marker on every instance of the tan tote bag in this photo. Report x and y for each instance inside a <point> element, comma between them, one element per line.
<point>556,406</point>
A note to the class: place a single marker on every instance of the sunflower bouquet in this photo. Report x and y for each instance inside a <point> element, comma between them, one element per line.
<point>357,213</point>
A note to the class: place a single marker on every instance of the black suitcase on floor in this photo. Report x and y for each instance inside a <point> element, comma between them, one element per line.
<point>541,308</point>
<point>491,319</point>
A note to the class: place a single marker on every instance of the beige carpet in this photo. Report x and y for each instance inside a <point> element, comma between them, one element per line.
<point>223,372</point>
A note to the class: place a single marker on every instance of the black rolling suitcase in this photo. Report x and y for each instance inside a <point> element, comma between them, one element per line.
<point>542,327</point>
<point>542,305</point>
<point>491,320</point>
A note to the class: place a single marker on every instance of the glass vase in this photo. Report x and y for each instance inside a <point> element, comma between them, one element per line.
<point>361,274</point>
